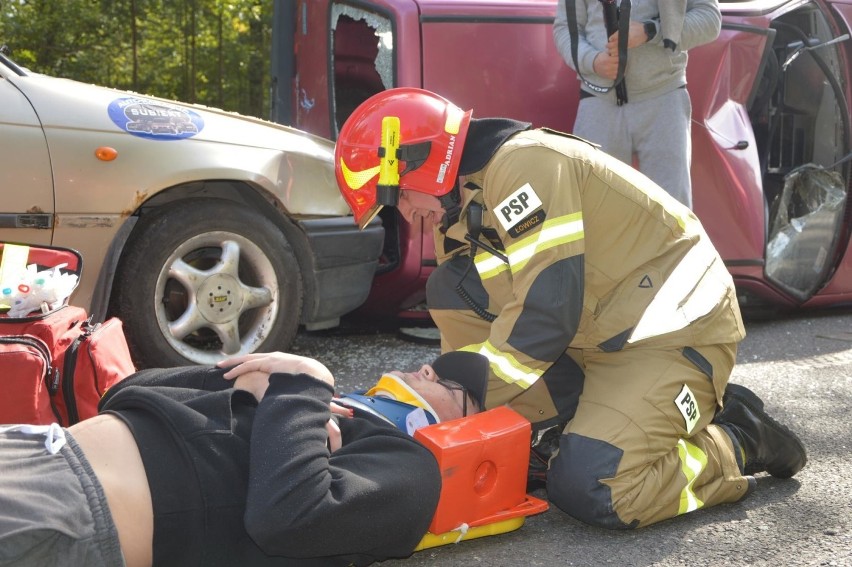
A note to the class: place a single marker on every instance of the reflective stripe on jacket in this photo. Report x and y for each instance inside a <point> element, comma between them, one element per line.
<point>598,257</point>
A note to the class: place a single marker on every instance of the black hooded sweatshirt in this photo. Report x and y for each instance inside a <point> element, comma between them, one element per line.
<point>237,482</point>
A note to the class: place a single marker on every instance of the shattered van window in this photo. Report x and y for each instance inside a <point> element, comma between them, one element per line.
<point>803,229</point>
<point>384,37</point>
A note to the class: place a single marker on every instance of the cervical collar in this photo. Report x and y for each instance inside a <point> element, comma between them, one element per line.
<point>394,387</point>
<point>396,402</point>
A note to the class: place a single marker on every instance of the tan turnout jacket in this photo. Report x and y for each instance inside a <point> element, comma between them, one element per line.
<point>599,258</point>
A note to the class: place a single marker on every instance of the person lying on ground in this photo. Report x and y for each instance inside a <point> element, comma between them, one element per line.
<point>251,463</point>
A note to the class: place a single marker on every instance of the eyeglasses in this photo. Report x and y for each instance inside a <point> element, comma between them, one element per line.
<point>452,386</point>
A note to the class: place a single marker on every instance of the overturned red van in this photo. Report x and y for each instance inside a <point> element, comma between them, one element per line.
<point>771,130</point>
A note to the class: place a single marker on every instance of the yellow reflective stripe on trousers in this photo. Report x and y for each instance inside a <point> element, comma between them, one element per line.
<point>505,366</point>
<point>561,230</point>
<point>693,461</point>
<point>692,290</point>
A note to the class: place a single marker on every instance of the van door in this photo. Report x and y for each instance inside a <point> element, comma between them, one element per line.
<point>771,130</point>
<point>805,123</point>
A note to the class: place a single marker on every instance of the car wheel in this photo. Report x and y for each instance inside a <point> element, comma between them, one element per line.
<point>206,280</point>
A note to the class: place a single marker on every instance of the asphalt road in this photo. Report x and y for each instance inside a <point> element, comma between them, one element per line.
<point>802,368</point>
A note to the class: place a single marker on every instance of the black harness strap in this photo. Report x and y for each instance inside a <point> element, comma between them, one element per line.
<point>622,14</point>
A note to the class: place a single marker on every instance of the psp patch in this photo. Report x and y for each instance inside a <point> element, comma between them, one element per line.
<point>688,407</point>
<point>514,212</point>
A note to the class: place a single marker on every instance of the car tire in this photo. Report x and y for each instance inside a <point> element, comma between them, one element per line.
<point>204,280</point>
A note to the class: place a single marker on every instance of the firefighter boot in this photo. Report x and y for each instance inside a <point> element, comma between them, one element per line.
<point>542,450</point>
<point>761,442</point>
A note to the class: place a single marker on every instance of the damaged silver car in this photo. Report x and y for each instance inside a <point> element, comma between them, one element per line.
<point>208,233</point>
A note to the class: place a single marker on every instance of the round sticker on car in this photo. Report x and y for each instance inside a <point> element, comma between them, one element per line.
<point>154,119</point>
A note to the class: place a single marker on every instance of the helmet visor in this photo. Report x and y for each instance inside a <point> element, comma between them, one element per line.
<point>368,216</point>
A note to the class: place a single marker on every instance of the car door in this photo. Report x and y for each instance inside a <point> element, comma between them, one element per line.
<point>26,208</point>
<point>808,148</point>
<point>771,128</point>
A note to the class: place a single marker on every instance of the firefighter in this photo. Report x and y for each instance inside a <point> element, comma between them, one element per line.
<point>600,302</point>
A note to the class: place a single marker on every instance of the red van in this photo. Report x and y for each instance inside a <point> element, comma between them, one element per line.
<point>770,107</point>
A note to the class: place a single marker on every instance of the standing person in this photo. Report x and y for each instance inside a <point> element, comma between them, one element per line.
<point>652,122</point>
<point>555,256</point>
<point>250,466</point>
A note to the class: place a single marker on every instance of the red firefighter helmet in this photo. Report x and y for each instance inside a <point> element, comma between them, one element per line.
<point>402,138</point>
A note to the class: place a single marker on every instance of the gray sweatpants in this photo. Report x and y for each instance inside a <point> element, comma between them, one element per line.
<point>656,131</point>
<point>53,511</point>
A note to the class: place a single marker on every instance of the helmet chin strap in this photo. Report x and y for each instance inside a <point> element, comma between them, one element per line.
<point>451,203</point>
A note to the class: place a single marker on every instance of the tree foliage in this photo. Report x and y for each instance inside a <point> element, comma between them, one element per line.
<point>213,52</point>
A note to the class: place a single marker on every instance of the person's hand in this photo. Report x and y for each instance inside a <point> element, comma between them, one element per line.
<point>340,410</point>
<point>636,36</point>
<point>270,362</point>
<point>254,383</point>
<point>335,439</point>
<point>606,66</point>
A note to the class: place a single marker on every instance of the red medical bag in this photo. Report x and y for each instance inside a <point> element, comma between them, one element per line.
<point>55,364</point>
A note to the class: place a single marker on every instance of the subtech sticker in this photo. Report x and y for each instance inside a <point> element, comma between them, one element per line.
<point>154,119</point>
<point>686,403</point>
<point>516,207</point>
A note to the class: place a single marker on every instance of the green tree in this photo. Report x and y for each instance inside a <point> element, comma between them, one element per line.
<point>214,52</point>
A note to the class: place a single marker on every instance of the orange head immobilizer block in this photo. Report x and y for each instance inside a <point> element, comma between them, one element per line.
<point>483,460</point>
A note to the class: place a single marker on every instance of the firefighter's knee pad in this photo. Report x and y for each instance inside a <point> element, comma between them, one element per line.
<point>573,480</point>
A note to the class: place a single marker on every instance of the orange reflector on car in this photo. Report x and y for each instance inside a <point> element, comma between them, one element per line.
<point>105,153</point>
